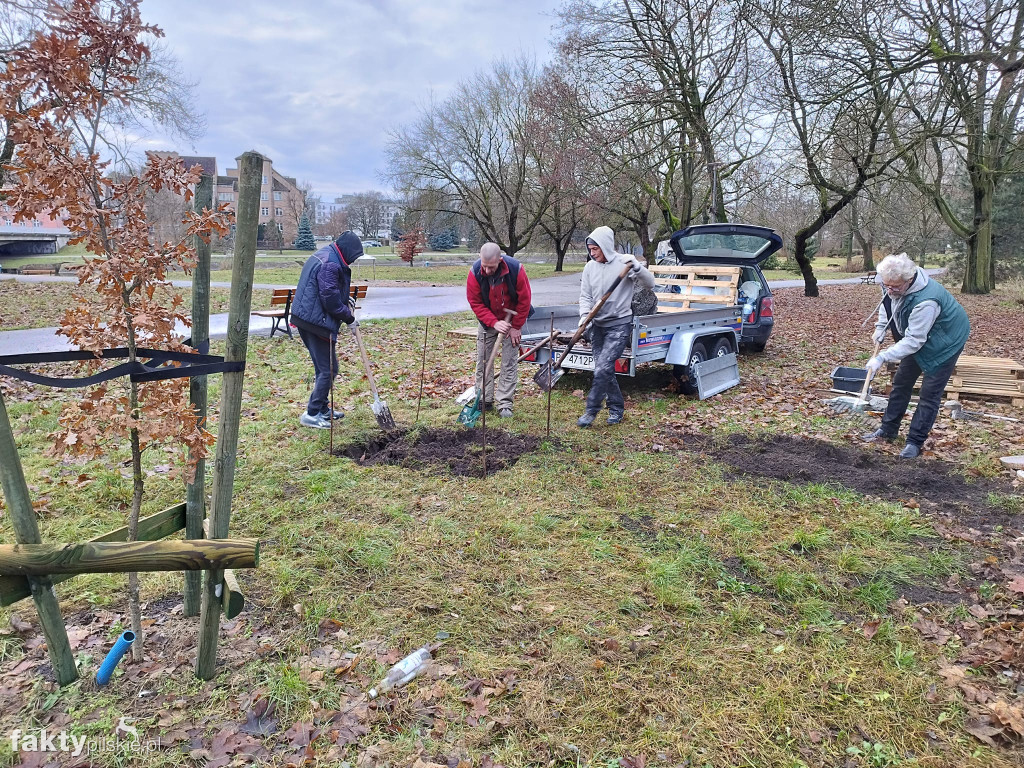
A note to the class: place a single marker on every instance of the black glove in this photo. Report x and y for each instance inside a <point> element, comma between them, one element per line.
<point>588,334</point>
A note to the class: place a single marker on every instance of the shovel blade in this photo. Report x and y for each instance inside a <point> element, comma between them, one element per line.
<point>470,413</point>
<point>547,376</point>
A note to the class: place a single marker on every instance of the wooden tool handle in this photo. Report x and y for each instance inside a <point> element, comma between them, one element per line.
<point>366,361</point>
<point>867,379</point>
<point>509,314</point>
<point>590,315</point>
<point>536,346</point>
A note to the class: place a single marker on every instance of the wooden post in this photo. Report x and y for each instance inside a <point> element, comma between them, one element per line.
<point>128,556</point>
<point>195,498</point>
<point>250,172</point>
<point>26,531</point>
<point>151,528</point>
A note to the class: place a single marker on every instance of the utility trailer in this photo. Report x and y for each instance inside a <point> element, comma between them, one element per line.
<point>700,344</point>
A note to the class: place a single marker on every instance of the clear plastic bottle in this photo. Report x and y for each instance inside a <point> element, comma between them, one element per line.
<point>402,672</point>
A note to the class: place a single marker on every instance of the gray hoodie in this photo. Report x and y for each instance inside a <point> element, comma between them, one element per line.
<point>598,278</point>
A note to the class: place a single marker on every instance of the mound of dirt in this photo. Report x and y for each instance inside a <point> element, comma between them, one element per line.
<point>459,452</point>
<point>936,485</point>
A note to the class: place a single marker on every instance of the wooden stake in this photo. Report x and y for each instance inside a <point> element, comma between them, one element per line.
<point>250,172</point>
<point>551,356</point>
<point>423,368</point>
<point>483,414</point>
<point>26,531</point>
<point>195,492</point>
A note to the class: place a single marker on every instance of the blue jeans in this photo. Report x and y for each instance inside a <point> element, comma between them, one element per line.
<point>932,386</point>
<point>608,344</point>
<point>325,367</point>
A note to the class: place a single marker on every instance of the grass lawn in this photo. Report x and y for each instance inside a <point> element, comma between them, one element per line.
<point>619,597</point>
<point>41,305</point>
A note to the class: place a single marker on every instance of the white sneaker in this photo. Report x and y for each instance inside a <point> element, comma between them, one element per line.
<point>316,422</point>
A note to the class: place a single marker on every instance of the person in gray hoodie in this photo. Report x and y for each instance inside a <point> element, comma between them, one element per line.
<point>613,323</point>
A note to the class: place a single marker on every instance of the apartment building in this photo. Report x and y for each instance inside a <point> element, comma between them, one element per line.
<point>281,200</point>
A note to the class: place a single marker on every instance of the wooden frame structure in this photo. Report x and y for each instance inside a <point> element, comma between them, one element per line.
<point>30,568</point>
<point>698,285</point>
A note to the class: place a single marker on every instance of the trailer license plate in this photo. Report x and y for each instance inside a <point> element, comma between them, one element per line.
<point>579,361</point>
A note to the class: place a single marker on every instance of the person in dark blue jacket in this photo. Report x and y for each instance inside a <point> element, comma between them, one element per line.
<point>319,308</point>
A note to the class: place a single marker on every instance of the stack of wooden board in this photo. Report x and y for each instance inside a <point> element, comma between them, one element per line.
<point>988,376</point>
<point>701,285</point>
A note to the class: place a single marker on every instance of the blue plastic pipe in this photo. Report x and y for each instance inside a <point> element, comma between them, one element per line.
<point>124,642</point>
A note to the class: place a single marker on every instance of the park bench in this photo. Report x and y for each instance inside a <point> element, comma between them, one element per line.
<point>49,269</point>
<point>868,278</point>
<point>281,307</point>
<point>281,297</point>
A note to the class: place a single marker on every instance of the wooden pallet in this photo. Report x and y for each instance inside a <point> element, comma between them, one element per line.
<point>698,285</point>
<point>988,376</point>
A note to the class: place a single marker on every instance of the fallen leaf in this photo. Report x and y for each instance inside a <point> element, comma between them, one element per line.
<point>871,628</point>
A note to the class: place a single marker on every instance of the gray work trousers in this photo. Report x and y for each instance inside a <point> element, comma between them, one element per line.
<point>509,376</point>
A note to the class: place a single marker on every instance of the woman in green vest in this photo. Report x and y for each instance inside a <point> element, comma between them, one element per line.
<point>930,329</point>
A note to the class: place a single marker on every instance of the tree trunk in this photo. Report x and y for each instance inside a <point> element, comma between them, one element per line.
<point>800,254</point>
<point>978,276</point>
<point>868,249</point>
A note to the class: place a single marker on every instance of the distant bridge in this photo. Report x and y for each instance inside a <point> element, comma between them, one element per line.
<point>29,241</point>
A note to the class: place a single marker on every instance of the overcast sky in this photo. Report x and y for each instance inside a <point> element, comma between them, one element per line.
<point>316,84</point>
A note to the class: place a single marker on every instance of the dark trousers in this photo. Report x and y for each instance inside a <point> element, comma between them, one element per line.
<point>608,344</point>
<point>325,366</point>
<point>932,386</point>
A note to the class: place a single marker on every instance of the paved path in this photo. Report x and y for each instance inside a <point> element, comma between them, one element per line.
<point>380,303</point>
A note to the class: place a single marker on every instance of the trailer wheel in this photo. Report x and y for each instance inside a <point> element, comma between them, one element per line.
<point>683,374</point>
<point>722,348</point>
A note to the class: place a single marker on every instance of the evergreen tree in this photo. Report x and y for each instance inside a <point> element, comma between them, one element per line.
<point>305,241</point>
<point>444,240</point>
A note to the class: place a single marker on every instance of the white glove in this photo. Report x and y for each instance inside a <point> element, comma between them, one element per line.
<point>637,266</point>
<point>878,336</point>
<point>873,366</point>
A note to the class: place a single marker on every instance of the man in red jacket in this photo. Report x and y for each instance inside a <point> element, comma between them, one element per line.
<point>494,284</point>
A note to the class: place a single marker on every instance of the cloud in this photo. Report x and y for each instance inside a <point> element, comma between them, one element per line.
<point>317,85</point>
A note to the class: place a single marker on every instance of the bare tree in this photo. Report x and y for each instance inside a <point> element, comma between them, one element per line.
<point>367,213</point>
<point>473,152</point>
<point>958,65</point>
<point>681,71</point>
<point>835,107</point>
<point>298,203</point>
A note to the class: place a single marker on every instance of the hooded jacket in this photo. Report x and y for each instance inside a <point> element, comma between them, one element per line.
<point>598,278</point>
<point>928,323</point>
<point>321,297</point>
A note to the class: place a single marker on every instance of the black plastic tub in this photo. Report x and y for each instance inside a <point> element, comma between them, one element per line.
<point>845,379</point>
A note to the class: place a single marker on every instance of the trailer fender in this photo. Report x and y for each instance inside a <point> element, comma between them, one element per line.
<point>682,343</point>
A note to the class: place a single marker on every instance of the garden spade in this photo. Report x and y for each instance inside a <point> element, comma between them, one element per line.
<point>550,372</point>
<point>379,407</point>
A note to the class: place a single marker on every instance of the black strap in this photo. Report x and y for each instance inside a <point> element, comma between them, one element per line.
<point>156,368</point>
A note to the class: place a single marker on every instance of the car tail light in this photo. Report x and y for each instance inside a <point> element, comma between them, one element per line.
<point>766,307</point>
<point>622,366</point>
<point>531,358</point>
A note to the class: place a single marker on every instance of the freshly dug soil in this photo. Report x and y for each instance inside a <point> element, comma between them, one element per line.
<point>935,485</point>
<point>459,452</point>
